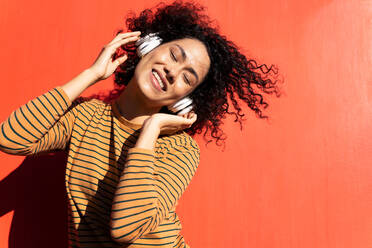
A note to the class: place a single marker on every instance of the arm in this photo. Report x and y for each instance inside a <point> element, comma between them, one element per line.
<point>150,187</point>
<point>81,82</point>
<point>45,122</point>
<point>42,124</point>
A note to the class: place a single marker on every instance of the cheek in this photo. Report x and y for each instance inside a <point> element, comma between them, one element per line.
<point>181,89</point>
<point>156,54</point>
<point>146,63</point>
<point>142,69</point>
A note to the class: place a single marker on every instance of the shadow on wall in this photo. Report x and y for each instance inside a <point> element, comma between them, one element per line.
<point>36,193</point>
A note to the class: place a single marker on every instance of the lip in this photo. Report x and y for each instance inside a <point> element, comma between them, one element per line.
<point>155,82</point>
<point>163,79</point>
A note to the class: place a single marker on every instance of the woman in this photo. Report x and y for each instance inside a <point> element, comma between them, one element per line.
<point>130,160</point>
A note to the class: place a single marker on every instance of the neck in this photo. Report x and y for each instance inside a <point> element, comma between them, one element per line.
<point>132,106</point>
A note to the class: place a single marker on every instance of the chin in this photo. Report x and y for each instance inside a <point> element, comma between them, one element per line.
<point>148,93</point>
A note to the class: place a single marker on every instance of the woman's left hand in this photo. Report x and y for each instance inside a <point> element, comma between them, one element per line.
<point>169,123</point>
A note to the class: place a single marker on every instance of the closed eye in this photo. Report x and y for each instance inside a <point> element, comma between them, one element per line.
<point>172,55</point>
<point>175,59</point>
<point>186,80</point>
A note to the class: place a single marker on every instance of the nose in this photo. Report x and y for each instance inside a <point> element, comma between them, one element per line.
<point>169,75</point>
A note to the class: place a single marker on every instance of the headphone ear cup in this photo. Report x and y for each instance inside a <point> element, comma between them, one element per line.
<point>185,110</point>
<point>181,105</point>
<point>147,43</point>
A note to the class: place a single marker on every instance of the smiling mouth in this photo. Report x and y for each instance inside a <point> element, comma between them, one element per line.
<point>158,78</point>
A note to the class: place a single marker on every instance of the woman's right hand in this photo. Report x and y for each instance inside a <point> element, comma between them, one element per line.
<point>103,66</point>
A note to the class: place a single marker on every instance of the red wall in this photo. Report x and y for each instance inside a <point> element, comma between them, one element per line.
<point>301,180</point>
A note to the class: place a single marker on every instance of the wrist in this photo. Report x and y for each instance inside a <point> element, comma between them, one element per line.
<point>93,74</point>
<point>152,125</point>
<point>148,136</point>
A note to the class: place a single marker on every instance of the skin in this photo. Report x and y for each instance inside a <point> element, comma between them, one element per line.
<point>140,102</point>
<point>140,99</point>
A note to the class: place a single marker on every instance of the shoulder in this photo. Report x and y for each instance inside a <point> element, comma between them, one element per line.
<point>88,105</point>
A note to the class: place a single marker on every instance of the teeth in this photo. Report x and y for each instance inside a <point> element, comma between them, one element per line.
<point>156,75</point>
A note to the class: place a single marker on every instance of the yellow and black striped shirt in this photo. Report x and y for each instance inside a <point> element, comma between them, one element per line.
<point>102,161</point>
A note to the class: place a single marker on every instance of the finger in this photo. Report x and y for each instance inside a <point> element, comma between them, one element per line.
<point>121,59</point>
<point>185,116</point>
<point>127,34</point>
<point>124,35</point>
<point>123,41</point>
<point>194,117</point>
<point>113,47</point>
<point>189,120</point>
<point>192,113</point>
<point>188,115</point>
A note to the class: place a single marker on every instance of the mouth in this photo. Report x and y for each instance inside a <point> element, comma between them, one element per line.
<point>160,79</point>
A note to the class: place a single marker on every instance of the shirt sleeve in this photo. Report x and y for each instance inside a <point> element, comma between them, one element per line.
<point>150,187</point>
<point>42,124</point>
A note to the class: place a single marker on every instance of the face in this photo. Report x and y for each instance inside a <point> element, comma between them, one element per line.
<point>172,70</point>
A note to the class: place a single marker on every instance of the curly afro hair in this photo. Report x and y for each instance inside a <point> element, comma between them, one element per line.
<point>230,75</point>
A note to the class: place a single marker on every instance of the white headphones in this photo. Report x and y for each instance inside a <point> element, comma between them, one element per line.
<point>147,43</point>
<point>144,46</point>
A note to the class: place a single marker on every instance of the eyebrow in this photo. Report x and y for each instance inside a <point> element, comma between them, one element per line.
<point>190,69</point>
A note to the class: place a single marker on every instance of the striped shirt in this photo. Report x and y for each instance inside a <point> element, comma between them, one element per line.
<point>119,195</point>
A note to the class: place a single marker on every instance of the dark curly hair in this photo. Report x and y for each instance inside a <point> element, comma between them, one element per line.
<point>230,74</point>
